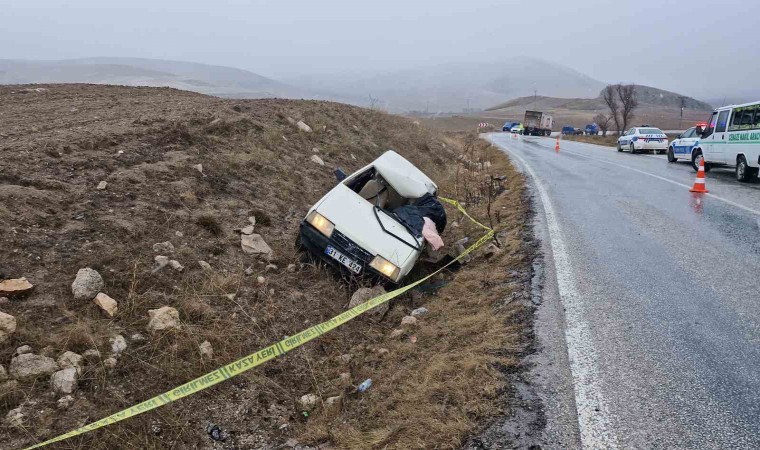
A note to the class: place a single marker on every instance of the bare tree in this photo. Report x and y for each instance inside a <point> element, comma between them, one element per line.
<point>628,102</point>
<point>603,121</point>
<point>611,100</point>
<point>372,101</point>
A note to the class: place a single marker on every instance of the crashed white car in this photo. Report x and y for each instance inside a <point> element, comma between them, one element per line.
<point>363,224</point>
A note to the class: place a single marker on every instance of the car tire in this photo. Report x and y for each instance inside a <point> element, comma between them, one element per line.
<point>633,149</point>
<point>671,156</point>
<point>743,171</point>
<point>695,156</point>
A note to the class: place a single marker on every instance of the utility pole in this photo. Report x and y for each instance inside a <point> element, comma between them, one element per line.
<point>535,93</point>
<point>680,122</point>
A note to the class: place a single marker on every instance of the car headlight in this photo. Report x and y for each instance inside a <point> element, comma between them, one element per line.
<point>321,223</point>
<point>385,267</point>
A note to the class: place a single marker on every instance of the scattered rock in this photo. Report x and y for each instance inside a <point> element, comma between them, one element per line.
<point>7,326</point>
<point>408,321</point>
<point>316,159</point>
<point>198,167</point>
<point>28,367</point>
<point>137,338</point>
<point>363,294</point>
<point>102,185</point>
<point>64,381</point>
<point>24,349</point>
<point>204,265</point>
<point>65,402</point>
<point>291,120</point>
<point>383,351</point>
<point>247,229</point>
<point>254,244</point>
<point>15,287</point>
<point>333,404</point>
<point>161,262</point>
<point>174,264</point>
<point>315,150</point>
<point>270,267</point>
<point>179,233</point>
<point>92,355</point>
<point>303,127</point>
<point>291,267</point>
<point>252,219</point>
<point>3,374</point>
<point>118,344</point>
<point>207,352</point>
<point>163,318</point>
<point>87,284</point>
<point>491,250</point>
<point>261,280</point>
<point>396,333</point>
<point>249,271</point>
<point>163,248</point>
<point>110,363</point>
<point>69,360</point>
<point>291,443</point>
<point>420,312</point>
<point>308,402</point>
<point>107,304</point>
<point>15,418</point>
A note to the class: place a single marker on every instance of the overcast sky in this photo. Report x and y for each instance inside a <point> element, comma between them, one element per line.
<point>680,46</point>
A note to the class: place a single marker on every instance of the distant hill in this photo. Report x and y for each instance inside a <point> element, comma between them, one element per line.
<point>204,78</point>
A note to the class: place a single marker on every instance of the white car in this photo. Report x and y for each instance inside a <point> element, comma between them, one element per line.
<point>682,146</point>
<point>644,138</point>
<point>357,226</point>
<point>732,139</point>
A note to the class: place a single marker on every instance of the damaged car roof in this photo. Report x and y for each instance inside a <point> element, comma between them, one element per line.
<point>403,176</point>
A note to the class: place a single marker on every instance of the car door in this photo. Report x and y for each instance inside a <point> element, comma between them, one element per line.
<point>717,148</point>
<point>683,145</point>
<point>707,140</point>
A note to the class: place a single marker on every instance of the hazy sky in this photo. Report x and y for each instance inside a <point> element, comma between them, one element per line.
<point>679,46</point>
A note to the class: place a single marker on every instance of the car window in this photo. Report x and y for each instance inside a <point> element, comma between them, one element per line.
<point>748,118</point>
<point>631,131</point>
<point>720,127</point>
<point>736,120</point>
<point>756,120</point>
<point>650,131</point>
<point>689,133</point>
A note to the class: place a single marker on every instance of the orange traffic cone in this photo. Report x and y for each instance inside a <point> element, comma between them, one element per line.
<point>699,183</point>
<point>556,146</point>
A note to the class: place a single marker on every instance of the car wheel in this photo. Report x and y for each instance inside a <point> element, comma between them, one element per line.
<point>671,157</point>
<point>633,149</point>
<point>696,157</point>
<point>742,170</point>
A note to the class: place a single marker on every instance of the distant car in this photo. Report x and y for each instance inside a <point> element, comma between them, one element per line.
<point>508,126</point>
<point>643,139</point>
<point>518,129</point>
<point>568,130</point>
<point>578,132</point>
<point>359,226</point>
<point>591,129</point>
<point>682,146</point>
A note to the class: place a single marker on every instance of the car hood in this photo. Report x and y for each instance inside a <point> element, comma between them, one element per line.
<point>354,217</point>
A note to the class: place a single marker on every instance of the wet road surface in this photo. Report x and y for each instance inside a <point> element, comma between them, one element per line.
<point>661,292</point>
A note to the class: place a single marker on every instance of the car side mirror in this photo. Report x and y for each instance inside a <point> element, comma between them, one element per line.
<point>340,175</point>
<point>678,137</point>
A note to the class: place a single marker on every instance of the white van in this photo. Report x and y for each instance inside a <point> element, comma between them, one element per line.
<point>732,139</point>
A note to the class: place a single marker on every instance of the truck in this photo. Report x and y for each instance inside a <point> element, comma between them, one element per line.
<point>537,123</point>
<point>592,129</point>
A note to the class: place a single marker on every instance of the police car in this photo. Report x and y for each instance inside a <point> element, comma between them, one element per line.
<point>643,138</point>
<point>682,146</point>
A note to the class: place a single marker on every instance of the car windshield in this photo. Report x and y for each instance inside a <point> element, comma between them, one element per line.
<point>650,131</point>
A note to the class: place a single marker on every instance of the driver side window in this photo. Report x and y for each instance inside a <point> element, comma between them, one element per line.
<point>631,132</point>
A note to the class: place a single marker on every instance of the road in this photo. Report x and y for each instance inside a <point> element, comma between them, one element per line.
<point>661,295</point>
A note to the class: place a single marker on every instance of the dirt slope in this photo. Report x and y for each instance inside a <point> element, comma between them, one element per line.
<point>58,142</point>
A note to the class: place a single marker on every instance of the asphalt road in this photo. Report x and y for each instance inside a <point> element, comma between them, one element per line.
<point>661,295</point>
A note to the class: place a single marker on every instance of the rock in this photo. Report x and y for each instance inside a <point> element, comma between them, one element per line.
<point>396,333</point>
<point>4,301</point>
<point>252,220</point>
<point>247,230</point>
<point>102,185</point>
<point>270,267</point>
<point>291,120</point>
<point>353,157</point>
<point>65,402</point>
<point>110,363</point>
<point>28,367</point>
<point>174,264</point>
<point>163,318</point>
<point>344,380</point>
<point>491,250</point>
<point>291,267</point>
<point>92,355</point>
<point>362,295</point>
<point>137,338</point>
<point>204,265</point>
<point>15,287</point>
<point>15,418</point>
<point>408,321</point>
<point>316,159</point>
<point>291,443</point>
<point>333,404</point>
<point>71,360</point>
<point>254,244</point>
<point>315,150</point>
<point>118,344</point>
<point>261,280</point>
<point>161,262</point>
<point>420,312</point>
<point>249,271</point>
<point>383,351</point>
<point>87,284</point>
<point>24,349</point>
<point>179,233</point>
<point>303,127</point>
<point>198,167</point>
<point>107,304</point>
<point>7,326</point>
<point>64,381</point>
<point>163,248</point>
<point>308,402</point>
<point>207,352</point>
<point>3,374</point>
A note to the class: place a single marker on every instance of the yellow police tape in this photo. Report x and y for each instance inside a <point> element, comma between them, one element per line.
<point>278,349</point>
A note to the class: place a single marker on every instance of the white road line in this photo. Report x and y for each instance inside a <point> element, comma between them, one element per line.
<point>593,415</point>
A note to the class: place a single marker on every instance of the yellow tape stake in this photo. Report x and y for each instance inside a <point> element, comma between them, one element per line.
<point>260,357</point>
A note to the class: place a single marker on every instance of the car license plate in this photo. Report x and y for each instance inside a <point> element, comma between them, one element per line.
<point>343,259</point>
